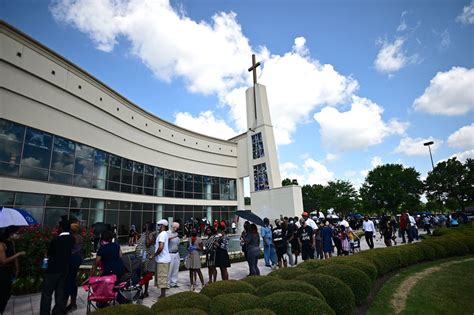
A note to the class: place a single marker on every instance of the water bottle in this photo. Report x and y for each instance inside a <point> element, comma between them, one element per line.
<point>44,265</point>
<point>143,254</point>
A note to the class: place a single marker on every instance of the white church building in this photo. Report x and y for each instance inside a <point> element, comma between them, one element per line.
<point>70,145</point>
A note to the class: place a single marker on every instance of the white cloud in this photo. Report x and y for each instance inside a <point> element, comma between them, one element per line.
<point>403,25</point>
<point>391,56</point>
<point>445,39</point>
<point>311,84</point>
<point>462,138</point>
<point>467,14</point>
<point>410,146</point>
<point>376,161</point>
<point>463,156</point>
<point>449,93</point>
<point>311,172</point>
<point>360,127</point>
<point>211,57</point>
<point>205,123</point>
<point>331,157</point>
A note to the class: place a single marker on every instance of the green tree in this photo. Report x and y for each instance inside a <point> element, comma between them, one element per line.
<point>391,187</point>
<point>451,182</point>
<point>312,196</point>
<point>288,182</point>
<point>340,195</point>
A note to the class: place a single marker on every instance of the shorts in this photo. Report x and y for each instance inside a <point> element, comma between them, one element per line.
<point>281,252</point>
<point>162,275</point>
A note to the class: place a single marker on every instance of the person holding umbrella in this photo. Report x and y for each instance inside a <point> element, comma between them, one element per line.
<point>8,259</point>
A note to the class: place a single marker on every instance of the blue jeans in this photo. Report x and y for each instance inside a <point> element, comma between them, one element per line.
<point>269,254</point>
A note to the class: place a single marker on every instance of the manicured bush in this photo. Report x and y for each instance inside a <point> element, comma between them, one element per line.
<point>182,300</point>
<point>429,252</point>
<point>257,311</point>
<point>312,264</point>
<point>358,281</point>
<point>125,309</point>
<point>468,240</point>
<point>288,285</point>
<point>440,252</point>
<point>364,265</point>
<point>384,260</point>
<point>181,311</point>
<point>229,304</point>
<point>338,295</point>
<point>409,254</point>
<point>257,281</point>
<point>452,245</point>
<point>284,303</point>
<point>226,287</point>
<point>288,273</point>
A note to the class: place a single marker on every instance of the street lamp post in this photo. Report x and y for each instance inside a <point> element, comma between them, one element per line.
<point>427,144</point>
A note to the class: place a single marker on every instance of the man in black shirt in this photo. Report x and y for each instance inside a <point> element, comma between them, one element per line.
<point>54,279</point>
<point>279,235</point>
<point>306,240</point>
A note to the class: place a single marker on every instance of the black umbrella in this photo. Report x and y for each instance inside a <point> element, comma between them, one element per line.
<point>250,216</point>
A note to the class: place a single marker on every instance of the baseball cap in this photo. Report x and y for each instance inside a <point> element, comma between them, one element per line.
<point>163,222</point>
<point>304,214</point>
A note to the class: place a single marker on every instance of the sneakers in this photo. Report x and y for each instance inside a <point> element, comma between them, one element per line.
<point>174,285</point>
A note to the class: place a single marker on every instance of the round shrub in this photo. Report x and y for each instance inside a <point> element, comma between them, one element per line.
<point>409,254</point>
<point>226,287</point>
<point>468,240</point>
<point>440,252</point>
<point>358,281</point>
<point>256,311</point>
<point>288,285</point>
<point>229,304</point>
<point>257,281</point>
<point>452,245</point>
<point>312,264</point>
<point>385,261</point>
<point>182,300</point>
<point>338,295</point>
<point>181,311</point>
<point>125,309</point>
<point>283,303</point>
<point>429,252</point>
<point>288,273</point>
<point>364,265</point>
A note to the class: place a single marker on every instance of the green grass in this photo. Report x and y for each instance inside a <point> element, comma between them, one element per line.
<point>447,292</point>
<point>453,283</point>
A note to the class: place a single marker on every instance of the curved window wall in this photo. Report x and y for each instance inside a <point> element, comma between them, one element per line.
<point>48,209</point>
<point>29,153</point>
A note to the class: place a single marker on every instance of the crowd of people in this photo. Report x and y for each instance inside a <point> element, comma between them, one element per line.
<point>158,245</point>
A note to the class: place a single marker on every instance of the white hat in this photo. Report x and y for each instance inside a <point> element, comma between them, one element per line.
<point>163,222</point>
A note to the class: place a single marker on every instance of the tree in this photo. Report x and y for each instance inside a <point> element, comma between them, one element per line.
<point>312,196</point>
<point>391,187</point>
<point>451,182</point>
<point>288,182</point>
<point>341,196</point>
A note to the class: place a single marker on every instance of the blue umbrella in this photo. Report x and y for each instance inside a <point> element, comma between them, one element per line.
<point>15,217</point>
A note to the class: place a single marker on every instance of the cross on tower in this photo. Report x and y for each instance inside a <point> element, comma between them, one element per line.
<point>253,68</point>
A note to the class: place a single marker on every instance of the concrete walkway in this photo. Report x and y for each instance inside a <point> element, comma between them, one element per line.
<point>30,304</point>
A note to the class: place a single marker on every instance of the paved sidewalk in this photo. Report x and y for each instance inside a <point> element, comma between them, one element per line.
<point>30,304</point>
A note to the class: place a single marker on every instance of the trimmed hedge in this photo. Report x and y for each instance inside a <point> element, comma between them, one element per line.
<point>225,287</point>
<point>181,311</point>
<point>384,260</point>
<point>257,281</point>
<point>182,300</point>
<point>283,303</point>
<point>313,264</point>
<point>229,304</point>
<point>289,285</point>
<point>125,309</point>
<point>358,281</point>
<point>333,289</point>
<point>364,265</point>
<point>429,252</point>
<point>257,311</point>
<point>288,273</point>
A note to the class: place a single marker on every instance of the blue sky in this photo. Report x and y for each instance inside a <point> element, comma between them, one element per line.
<point>351,84</point>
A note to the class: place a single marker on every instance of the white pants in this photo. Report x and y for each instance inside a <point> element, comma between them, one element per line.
<point>174,269</point>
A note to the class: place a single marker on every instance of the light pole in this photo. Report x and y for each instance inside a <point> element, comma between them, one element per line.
<point>427,144</point>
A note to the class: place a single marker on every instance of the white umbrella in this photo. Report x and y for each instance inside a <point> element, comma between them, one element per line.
<point>10,217</point>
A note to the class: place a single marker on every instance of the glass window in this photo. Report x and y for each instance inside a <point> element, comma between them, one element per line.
<point>260,177</point>
<point>57,201</point>
<point>137,179</point>
<point>197,187</point>
<point>169,180</point>
<point>127,164</point>
<point>114,174</point>
<point>113,186</point>
<point>124,205</point>
<point>111,204</point>
<point>148,207</point>
<point>6,197</point>
<point>101,157</point>
<point>11,131</point>
<point>26,199</point>
<point>99,184</point>
<point>60,178</point>
<point>34,173</point>
<point>38,138</point>
<point>36,212</point>
<point>147,217</point>
<point>126,188</point>
<point>115,160</point>
<point>7,169</point>
<point>10,151</point>
<point>136,218</point>
<point>77,202</point>
<point>257,146</point>
<point>80,214</point>
<point>124,223</point>
<point>85,152</point>
<point>111,217</point>
<point>63,162</point>
<point>52,216</point>
<point>64,145</point>
<point>126,177</point>
<point>83,167</point>
<point>82,181</point>
<point>37,157</point>
<point>149,170</point>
